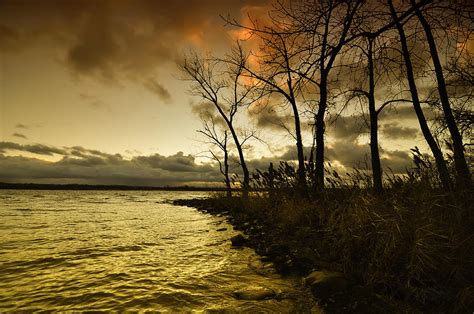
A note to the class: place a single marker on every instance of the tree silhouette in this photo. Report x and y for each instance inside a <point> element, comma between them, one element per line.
<point>221,86</point>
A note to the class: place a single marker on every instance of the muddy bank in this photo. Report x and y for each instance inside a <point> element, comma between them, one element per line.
<point>293,252</point>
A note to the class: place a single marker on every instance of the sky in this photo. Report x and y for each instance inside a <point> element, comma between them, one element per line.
<point>90,92</point>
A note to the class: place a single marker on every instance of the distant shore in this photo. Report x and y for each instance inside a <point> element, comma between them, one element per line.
<point>41,186</point>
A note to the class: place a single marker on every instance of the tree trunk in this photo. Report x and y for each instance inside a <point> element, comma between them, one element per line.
<point>462,169</point>
<point>300,151</point>
<point>243,165</point>
<point>438,155</point>
<point>374,144</point>
<point>226,172</point>
<point>320,128</point>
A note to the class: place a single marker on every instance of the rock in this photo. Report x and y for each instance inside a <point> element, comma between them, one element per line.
<point>238,240</point>
<point>282,266</point>
<point>304,260</point>
<point>237,225</point>
<point>255,293</point>
<point>278,249</point>
<point>325,283</point>
<point>221,229</point>
<point>266,269</point>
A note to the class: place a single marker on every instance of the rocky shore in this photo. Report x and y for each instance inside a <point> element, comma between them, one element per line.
<point>292,252</point>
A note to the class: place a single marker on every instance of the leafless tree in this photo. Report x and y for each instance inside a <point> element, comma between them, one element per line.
<point>221,86</point>
<point>460,83</point>
<point>462,169</point>
<point>326,24</point>
<point>407,58</point>
<point>300,52</point>
<point>370,64</point>
<point>367,49</point>
<point>219,139</point>
<point>276,59</point>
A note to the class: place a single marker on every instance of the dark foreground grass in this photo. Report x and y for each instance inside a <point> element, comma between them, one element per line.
<point>413,243</point>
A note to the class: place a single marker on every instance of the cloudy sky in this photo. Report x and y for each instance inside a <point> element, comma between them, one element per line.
<point>90,92</point>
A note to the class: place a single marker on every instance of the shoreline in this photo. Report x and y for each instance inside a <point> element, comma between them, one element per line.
<point>104,187</point>
<point>291,255</point>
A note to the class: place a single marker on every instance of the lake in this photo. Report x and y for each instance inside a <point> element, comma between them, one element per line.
<point>127,250</point>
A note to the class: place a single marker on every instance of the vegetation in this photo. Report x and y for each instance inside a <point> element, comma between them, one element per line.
<point>415,243</point>
<point>408,234</point>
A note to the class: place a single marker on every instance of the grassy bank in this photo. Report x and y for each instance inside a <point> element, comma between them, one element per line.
<point>413,243</point>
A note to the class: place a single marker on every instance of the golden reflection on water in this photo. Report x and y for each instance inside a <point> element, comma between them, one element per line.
<point>109,250</point>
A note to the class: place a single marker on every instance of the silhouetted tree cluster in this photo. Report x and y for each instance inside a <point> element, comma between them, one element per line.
<point>315,55</point>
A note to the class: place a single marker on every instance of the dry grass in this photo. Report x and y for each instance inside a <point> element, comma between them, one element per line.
<point>414,241</point>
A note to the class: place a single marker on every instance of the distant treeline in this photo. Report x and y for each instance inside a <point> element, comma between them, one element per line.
<point>38,186</point>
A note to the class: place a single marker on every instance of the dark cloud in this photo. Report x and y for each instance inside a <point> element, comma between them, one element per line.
<point>85,161</point>
<point>405,112</point>
<point>83,165</point>
<point>395,131</point>
<point>348,127</point>
<point>34,148</point>
<point>269,118</point>
<point>175,163</point>
<point>401,112</point>
<point>133,152</point>
<point>113,39</point>
<point>95,49</point>
<point>398,161</point>
<point>355,155</point>
<point>290,153</point>
<point>349,153</point>
<point>19,135</point>
<point>204,110</point>
<point>342,127</point>
<point>207,112</point>
<point>82,152</point>
<point>21,126</point>
<point>156,88</point>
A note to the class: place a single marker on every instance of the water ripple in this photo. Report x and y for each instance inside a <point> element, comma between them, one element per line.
<point>131,251</point>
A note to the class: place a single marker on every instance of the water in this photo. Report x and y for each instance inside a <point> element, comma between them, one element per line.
<point>133,250</point>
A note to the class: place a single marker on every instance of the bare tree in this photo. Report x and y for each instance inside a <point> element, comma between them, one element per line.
<point>437,153</point>
<point>218,139</point>
<point>369,66</point>
<point>275,73</point>
<point>462,170</point>
<point>299,53</point>
<point>460,83</point>
<point>367,49</point>
<point>326,25</point>
<point>221,86</point>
